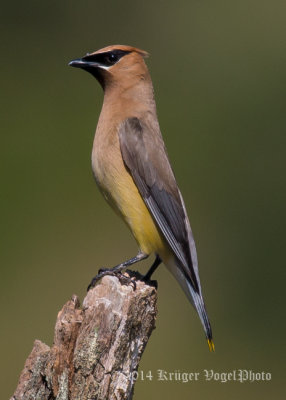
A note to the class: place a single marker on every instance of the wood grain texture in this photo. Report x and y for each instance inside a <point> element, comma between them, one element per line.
<point>96,348</point>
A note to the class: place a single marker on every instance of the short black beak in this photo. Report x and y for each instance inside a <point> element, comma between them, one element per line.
<point>78,63</point>
<point>82,63</point>
<point>89,64</point>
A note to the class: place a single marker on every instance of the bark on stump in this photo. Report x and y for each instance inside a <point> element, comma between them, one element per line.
<point>96,348</point>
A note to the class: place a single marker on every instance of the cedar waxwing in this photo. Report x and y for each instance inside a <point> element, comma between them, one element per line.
<point>132,170</point>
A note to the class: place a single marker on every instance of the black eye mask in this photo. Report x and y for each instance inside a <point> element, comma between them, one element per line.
<point>106,59</point>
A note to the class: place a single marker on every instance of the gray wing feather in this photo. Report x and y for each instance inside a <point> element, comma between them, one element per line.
<point>145,157</point>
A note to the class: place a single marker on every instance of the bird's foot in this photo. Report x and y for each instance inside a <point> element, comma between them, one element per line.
<point>124,279</point>
<point>150,282</point>
<point>147,277</point>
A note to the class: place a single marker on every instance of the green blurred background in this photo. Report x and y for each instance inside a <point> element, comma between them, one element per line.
<point>219,71</point>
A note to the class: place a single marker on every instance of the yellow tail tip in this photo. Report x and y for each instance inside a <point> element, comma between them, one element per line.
<point>211,345</point>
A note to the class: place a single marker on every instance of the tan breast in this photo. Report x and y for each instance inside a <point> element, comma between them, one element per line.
<point>119,190</point>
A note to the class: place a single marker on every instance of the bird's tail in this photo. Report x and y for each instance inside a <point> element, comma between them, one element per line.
<point>195,298</point>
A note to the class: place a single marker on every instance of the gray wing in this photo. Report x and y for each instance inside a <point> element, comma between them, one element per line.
<point>145,157</point>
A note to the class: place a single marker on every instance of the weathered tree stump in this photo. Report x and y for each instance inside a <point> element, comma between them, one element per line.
<point>96,348</point>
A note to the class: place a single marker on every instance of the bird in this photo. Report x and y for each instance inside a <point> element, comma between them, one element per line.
<point>132,170</point>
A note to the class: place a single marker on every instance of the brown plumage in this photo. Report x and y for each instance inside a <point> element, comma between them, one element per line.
<point>132,169</point>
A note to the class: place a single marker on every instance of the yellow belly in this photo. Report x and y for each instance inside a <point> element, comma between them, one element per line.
<point>124,197</point>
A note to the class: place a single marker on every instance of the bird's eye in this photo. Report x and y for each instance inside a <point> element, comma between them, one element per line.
<point>112,58</point>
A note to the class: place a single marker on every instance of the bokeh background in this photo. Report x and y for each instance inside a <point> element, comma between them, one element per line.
<point>219,72</point>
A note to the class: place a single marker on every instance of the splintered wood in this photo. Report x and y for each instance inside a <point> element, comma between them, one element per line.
<point>96,348</point>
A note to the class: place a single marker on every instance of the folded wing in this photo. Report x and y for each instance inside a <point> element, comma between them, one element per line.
<point>145,157</point>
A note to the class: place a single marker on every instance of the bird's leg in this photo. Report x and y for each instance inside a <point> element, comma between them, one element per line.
<point>116,271</point>
<point>152,269</point>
